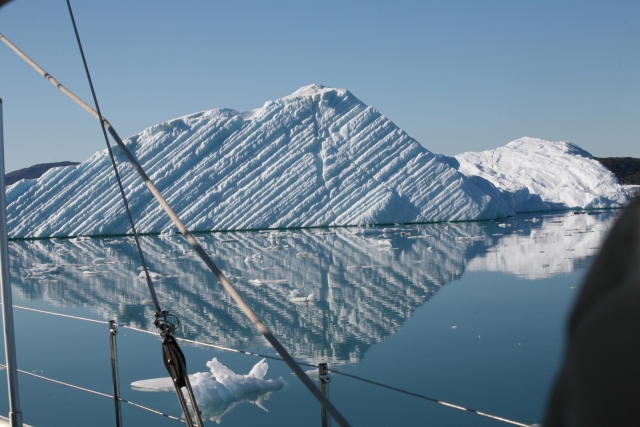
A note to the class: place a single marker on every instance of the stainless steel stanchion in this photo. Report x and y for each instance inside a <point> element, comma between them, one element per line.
<point>325,378</point>
<point>15,415</point>
<point>114,371</point>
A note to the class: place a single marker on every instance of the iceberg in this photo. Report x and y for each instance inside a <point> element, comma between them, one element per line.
<point>318,157</point>
<point>534,174</point>
<point>220,390</point>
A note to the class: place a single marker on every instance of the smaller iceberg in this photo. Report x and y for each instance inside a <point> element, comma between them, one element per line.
<point>220,390</point>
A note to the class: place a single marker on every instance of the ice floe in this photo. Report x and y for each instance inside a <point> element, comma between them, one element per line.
<point>216,391</point>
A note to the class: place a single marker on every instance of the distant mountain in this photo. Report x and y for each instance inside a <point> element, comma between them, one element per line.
<point>627,169</point>
<point>33,172</point>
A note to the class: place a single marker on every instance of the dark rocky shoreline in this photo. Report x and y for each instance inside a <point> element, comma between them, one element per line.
<point>626,169</point>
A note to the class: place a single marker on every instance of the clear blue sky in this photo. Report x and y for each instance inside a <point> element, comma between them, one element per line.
<point>456,75</point>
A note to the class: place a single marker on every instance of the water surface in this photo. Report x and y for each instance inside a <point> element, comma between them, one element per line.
<point>470,313</point>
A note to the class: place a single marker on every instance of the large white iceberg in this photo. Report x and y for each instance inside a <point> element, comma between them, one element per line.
<point>538,175</point>
<point>319,157</point>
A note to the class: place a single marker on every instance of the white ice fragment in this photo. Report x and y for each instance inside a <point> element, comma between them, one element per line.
<point>276,248</point>
<point>298,297</point>
<point>153,275</point>
<point>306,255</point>
<point>220,384</point>
<point>469,238</point>
<point>260,282</point>
<point>253,259</point>
<point>40,270</point>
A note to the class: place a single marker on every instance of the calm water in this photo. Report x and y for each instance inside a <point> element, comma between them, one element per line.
<point>470,313</point>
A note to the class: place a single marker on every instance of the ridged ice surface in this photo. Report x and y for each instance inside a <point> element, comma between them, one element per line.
<point>537,175</point>
<point>318,157</point>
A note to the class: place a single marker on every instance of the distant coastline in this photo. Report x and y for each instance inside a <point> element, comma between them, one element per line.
<point>626,169</point>
<point>33,172</point>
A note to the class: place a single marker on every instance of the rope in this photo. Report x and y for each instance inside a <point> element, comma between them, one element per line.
<point>266,356</point>
<point>97,393</point>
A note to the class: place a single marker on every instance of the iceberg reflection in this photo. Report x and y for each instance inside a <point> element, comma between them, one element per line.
<point>327,294</point>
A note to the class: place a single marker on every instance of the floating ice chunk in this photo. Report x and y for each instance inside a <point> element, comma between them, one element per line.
<point>221,384</point>
<point>383,242</point>
<point>90,272</point>
<point>298,297</point>
<point>253,259</point>
<point>39,270</point>
<point>469,238</point>
<point>365,231</point>
<point>306,255</point>
<point>356,267</point>
<point>260,282</point>
<point>153,275</point>
<point>276,248</point>
<point>392,230</point>
<point>232,279</point>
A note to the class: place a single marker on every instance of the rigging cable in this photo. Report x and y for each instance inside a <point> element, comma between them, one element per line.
<point>229,288</point>
<point>174,359</point>
<point>266,356</point>
<point>97,393</point>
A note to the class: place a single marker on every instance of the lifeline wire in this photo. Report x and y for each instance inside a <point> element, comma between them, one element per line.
<point>228,287</point>
<point>335,371</point>
<point>97,392</point>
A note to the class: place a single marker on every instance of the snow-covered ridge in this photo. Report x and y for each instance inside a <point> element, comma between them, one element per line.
<point>318,157</point>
